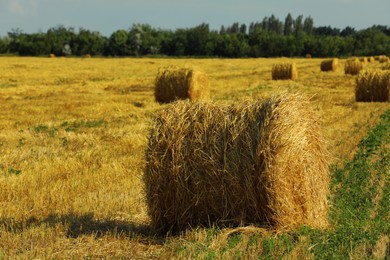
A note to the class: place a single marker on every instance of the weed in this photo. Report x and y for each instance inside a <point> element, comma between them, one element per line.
<point>14,171</point>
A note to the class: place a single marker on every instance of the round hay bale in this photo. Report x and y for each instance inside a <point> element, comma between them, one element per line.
<point>174,83</point>
<point>383,59</point>
<point>353,67</point>
<point>252,162</point>
<point>373,86</point>
<point>330,65</point>
<point>52,55</point>
<point>87,56</point>
<point>363,60</point>
<point>284,71</point>
<point>308,56</point>
<point>386,66</point>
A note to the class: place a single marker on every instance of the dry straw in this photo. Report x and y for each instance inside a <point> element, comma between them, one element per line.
<point>330,65</point>
<point>353,67</point>
<point>252,162</point>
<point>383,59</point>
<point>284,71</point>
<point>363,59</point>
<point>386,66</point>
<point>371,59</point>
<point>174,83</point>
<point>373,86</point>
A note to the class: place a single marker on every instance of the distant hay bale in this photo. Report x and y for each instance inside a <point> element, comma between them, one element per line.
<point>330,65</point>
<point>373,86</point>
<point>353,59</point>
<point>251,162</point>
<point>383,59</point>
<point>363,60</point>
<point>52,55</point>
<point>353,67</point>
<point>308,56</point>
<point>386,66</point>
<point>174,83</point>
<point>87,56</point>
<point>284,71</point>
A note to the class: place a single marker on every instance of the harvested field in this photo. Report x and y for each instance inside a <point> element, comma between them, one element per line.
<point>73,137</point>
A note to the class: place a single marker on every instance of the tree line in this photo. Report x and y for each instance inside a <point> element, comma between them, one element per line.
<point>269,38</point>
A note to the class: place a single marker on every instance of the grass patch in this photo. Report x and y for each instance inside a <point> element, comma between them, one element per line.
<point>74,126</point>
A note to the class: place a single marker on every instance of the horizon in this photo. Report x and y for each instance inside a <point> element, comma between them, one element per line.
<point>33,16</point>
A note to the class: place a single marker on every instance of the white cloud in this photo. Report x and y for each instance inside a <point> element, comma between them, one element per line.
<point>21,7</point>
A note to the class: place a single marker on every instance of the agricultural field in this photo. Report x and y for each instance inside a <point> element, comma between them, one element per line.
<point>73,135</point>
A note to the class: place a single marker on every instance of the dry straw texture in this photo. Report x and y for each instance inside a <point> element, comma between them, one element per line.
<point>252,162</point>
<point>284,71</point>
<point>371,59</point>
<point>175,83</point>
<point>386,66</point>
<point>353,67</point>
<point>363,59</point>
<point>383,59</point>
<point>373,86</point>
<point>330,65</point>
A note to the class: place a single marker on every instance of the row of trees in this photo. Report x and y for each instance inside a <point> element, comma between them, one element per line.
<point>269,38</point>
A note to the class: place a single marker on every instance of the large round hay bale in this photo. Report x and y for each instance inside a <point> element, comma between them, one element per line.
<point>175,83</point>
<point>330,65</point>
<point>373,86</point>
<point>284,71</point>
<point>353,67</point>
<point>252,162</point>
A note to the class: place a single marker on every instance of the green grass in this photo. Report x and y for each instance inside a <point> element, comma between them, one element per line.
<point>359,215</point>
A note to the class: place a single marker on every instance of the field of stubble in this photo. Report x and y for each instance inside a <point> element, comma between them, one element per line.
<point>72,138</point>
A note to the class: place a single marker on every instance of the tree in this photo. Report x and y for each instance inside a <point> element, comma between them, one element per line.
<point>308,25</point>
<point>288,25</point>
<point>298,25</point>
<point>88,42</point>
<point>348,31</point>
<point>4,44</point>
<point>58,37</point>
<point>117,43</point>
<point>197,38</point>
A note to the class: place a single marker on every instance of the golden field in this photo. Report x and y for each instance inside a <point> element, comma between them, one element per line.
<point>73,133</point>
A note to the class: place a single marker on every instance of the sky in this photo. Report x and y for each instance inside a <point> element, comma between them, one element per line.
<point>107,16</point>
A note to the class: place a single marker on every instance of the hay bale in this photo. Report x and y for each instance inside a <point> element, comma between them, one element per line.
<point>330,65</point>
<point>308,56</point>
<point>174,83</point>
<point>353,59</point>
<point>284,71</point>
<point>386,66</point>
<point>52,55</point>
<point>87,56</point>
<point>383,59</point>
<point>251,162</point>
<point>373,86</point>
<point>363,60</point>
<point>353,67</point>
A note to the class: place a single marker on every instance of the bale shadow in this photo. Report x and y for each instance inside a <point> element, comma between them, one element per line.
<point>78,225</point>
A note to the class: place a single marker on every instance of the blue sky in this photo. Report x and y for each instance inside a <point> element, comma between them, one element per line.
<point>106,16</point>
